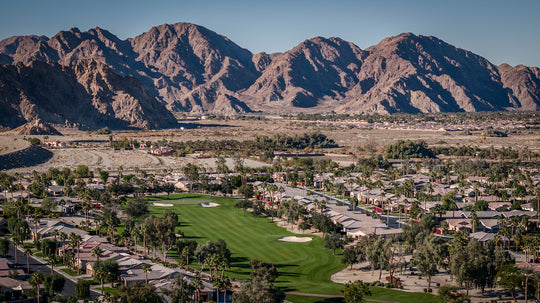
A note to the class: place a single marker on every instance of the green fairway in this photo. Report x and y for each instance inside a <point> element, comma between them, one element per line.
<point>303,267</point>
<point>378,293</point>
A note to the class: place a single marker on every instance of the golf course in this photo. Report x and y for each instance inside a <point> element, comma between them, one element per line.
<point>303,267</point>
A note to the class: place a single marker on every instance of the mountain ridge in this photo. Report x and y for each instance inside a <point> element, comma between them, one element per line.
<point>138,82</point>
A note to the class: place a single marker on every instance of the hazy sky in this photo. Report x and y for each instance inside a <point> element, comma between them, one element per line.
<point>501,31</point>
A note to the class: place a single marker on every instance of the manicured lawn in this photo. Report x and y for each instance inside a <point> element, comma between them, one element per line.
<point>303,267</point>
<point>69,272</point>
<point>28,245</point>
<point>110,290</point>
<point>378,293</point>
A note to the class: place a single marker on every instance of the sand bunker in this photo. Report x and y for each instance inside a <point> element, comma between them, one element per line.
<point>295,239</point>
<point>209,204</point>
<point>163,204</point>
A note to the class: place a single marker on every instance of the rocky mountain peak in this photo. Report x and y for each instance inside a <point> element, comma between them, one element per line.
<point>187,67</point>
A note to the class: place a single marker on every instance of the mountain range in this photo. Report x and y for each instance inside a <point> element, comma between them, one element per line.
<point>94,79</point>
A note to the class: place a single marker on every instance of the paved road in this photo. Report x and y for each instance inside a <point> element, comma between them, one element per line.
<point>37,265</point>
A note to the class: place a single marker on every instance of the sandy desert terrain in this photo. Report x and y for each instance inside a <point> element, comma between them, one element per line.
<point>91,149</point>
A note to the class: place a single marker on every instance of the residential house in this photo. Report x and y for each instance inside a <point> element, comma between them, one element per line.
<point>157,272</point>
<point>489,225</point>
<point>55,190</point>
<point>482,237</point>
<point>207,293</point>
<point>125,262</point>
<point>459,224</point>
<point>6,269</point>
<point>13,289</point>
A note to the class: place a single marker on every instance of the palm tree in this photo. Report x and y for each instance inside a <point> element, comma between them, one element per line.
<point>63,238</point>
<point>223,263</point>
<point>35,280</point>
<point>474,220</point>
<point>55,234</point>
<point>401,209</point>
<point>321,205</point>
<point>528,273</point>
<point>36,222</point>
<point>429,188</point>
<point>217,284</point>
<point>51,259</point>
<point>97,252</point>
<point>197,284</point>
<point>350,183</point>
<point>146,268</point>
<point>272,188</point>
<point>17,241</point>
<point>225,285</point>
<point>74,241</point>
<point>135,233</point>
<point>281,190</point>
<point>86,208</point>
<point>211,261</point>
<point>144,231</point>
<point>27,253</point>
<point>99,272</point>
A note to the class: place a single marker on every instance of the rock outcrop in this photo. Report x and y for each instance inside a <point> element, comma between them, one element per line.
<point>87,94</point>
<point>37,127</point>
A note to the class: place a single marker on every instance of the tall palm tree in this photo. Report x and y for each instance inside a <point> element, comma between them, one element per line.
<point>97,252</point>
<point>63,237</point>
<point>135,233</point>
<point>144,231</point>
<point>27,253</point>
<point>197,284</point>
<point>401,209</point>
<point>36,223</point>
<point>225,284</point>
<point>86,208</point>
<point>281,190</point>
<point>527,272</point>
<point>51,259</point>
<point>74,241</point>
<point>99,272</point>
<point>55,234</point>
<point>35,280</point>
<point>321,205</point>
<point>146,268</point>
<point>429,189</point>
<point>16,242</point>
<point>217,285</point>
<point>474,221</point>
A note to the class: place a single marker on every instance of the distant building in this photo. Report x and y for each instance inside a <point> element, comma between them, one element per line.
<point>55,143</point>
<point>162,151</point>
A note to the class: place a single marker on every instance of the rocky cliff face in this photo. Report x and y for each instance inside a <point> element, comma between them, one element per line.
<point>199,70</point>
<point>406,73</point>
<point>37,127</point>
<point>87,94</point>
<point>409,73</point>
<point>316,73</point>
<point>522,84</point>
<point>189,68</point>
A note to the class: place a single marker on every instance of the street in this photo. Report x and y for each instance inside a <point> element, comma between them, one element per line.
<point>36,265</point>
